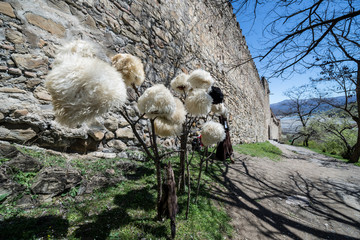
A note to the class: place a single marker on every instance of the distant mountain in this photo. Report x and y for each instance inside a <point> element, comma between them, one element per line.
<point>285,106</point>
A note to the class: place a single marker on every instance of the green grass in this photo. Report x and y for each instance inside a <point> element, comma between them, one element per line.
<point>264,149</point>
<point>47,159</point>
<point>126,210</point>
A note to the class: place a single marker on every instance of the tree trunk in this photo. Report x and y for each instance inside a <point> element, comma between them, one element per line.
<point>356,153</point>
<point>198,180</point>
<point>159,188</point>
<point>202,160</point>
<point>183,156</point>
<point>189,186</point>
<point>292,142</point>
<point>306,141</point>
<point>158,171</point>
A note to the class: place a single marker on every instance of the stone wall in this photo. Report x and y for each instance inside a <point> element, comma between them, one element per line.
<point>274,128</point>
<point>170,36</point>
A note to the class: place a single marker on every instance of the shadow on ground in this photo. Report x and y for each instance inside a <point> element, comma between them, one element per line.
<point>140,199</point>
<point>31,228</point>
<point>260,203</point>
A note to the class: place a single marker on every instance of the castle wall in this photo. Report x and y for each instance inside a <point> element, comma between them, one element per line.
<point>170,36</point>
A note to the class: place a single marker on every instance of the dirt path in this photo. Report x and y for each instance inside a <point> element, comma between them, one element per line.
<point>303,196</point>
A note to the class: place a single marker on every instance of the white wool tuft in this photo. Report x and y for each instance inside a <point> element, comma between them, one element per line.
<point>219,109</point>
<point>198,103</point>
<point>179,114</point>
<point>78,47</point>
<point>180,83</point>
<point>130,67</point>
<point>167,128</point>
<point>172,126</point>
<point>201,79</point>
<point>157,101</point>
<point>212,133</point>
<point>84,88</point>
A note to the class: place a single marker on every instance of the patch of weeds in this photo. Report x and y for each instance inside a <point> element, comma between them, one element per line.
<point>89,168</point>
<point>3,160</point>
<point>264,149</point>
<point>9,210</point>
<point>24,178</point>
<point>47,159</point>
<point>4,196</point>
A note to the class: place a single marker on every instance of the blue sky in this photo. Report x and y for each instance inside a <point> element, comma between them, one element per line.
<point>253,32</point>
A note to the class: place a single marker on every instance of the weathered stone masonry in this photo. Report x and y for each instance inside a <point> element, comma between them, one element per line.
<point>170,36</point>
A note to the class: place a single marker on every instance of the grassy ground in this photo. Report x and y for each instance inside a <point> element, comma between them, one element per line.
<point>122,211</point>
<point>319,148</point>
<point>264,149</point>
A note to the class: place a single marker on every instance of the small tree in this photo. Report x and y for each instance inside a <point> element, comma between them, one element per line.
<point>336,126</point>
<point>304,101</point>
<point>84,87</point>
<point>344,80</point>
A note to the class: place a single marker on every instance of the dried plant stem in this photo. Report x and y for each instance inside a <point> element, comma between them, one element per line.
<point>188,162</point>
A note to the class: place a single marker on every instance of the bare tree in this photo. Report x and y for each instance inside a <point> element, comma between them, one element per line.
<point>304,101</point>
<point>345,81</point>
<point>304,32</point>
<point>336,125</point>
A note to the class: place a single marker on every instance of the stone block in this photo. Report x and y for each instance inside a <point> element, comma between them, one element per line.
<point>33,82</point>
<point>7,47</point>
<point>90,21</point>
<point>42,94</point>
<point>130,35</point>
<point>14,71</point>
<point>31,62</point>
<point>127,19</point>
<point>53,181</point>
<point>7,9</point>
<point>30,74</point>
<point>11,90</point>
<point>111,124</point>
<point>46,24</point>
<point>15,36</point>
<point>18,135</point>
<point>125,133</point>
<point>117,144</point>
<point>20,113</point>
<point>109,135</point>
<point>104,155</point>
<point>96,135</point>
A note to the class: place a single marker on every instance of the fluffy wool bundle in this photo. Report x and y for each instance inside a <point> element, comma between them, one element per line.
<point>171,126</point>
<point>179,115</point>
<point>219,109</point>
<point>84,88</point>
<point>157,101</point>
<point>212,132</point>
<point>130,67</point>
<point>198,103</point>
<point>201,79</point>
<point>167,128</point>
<point>78,47</point>
<point>180,83</point>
